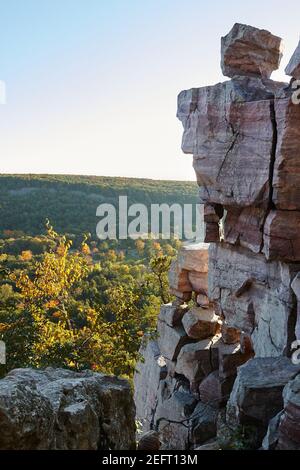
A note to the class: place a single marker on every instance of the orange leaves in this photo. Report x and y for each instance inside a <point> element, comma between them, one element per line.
<point>26,255</point>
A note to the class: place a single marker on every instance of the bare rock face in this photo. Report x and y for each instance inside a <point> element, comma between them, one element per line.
<point>282,235</point>
<point>61,409</point>
<point>147,377</point>
<point>257,392</point>
<point>293,67</point>
<point>250,51</point>
<point>254,296</point>
<point>244,227</point>
<point>286,178</point>
<point>228,128</point>
<point>175,404</point>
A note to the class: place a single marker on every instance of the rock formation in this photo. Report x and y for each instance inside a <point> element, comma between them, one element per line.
<point>221,363</point>
<point>58,409</point>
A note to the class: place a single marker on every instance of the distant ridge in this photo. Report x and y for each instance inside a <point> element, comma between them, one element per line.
<point>70,201</point>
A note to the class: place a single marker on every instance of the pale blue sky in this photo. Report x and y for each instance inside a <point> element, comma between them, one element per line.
<point>92,84</point>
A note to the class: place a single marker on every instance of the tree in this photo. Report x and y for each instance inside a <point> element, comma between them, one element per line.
<point>160,265</point>
<point>71,313</point>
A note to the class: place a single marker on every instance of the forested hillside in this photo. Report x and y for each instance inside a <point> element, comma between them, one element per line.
<point>67,298</point>
<point>70,202</point>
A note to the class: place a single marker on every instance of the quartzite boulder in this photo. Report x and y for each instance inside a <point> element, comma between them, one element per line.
<point>61,409</point>
<point>230,357</point>
<point>201,323</point>
<point>170,340</point>
<point>257,392</point>
<point>246,50</point>
<point>215,391</point>
<point>194,361</point>
<point>188,273</point>
<point>230,335</point>
<point>282,235</point>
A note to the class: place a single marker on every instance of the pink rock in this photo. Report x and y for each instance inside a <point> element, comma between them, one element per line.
<point>286,179</point>
<point>201,323</point>
<point>188,273</point>
<point>282,235</point>
<point>198,282</point>
<point>215,391</point>
<point>228,129</point>
<point>244,227</point>
<point>246,50</point>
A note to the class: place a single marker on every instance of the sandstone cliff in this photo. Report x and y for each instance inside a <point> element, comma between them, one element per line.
<point>220,369</point>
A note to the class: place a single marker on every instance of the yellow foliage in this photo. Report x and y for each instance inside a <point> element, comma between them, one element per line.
<point>26,255</point>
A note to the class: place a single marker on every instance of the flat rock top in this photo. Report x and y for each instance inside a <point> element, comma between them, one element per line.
<point>41,378</point>
<point>246,50</point>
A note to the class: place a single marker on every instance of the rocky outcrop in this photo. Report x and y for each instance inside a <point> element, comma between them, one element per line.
<point>60,409</point>
<point>229,348</point>
<point>250,51</point>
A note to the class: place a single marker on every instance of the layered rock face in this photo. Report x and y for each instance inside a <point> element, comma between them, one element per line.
<point>231,345</point>
<point>59,409</point>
